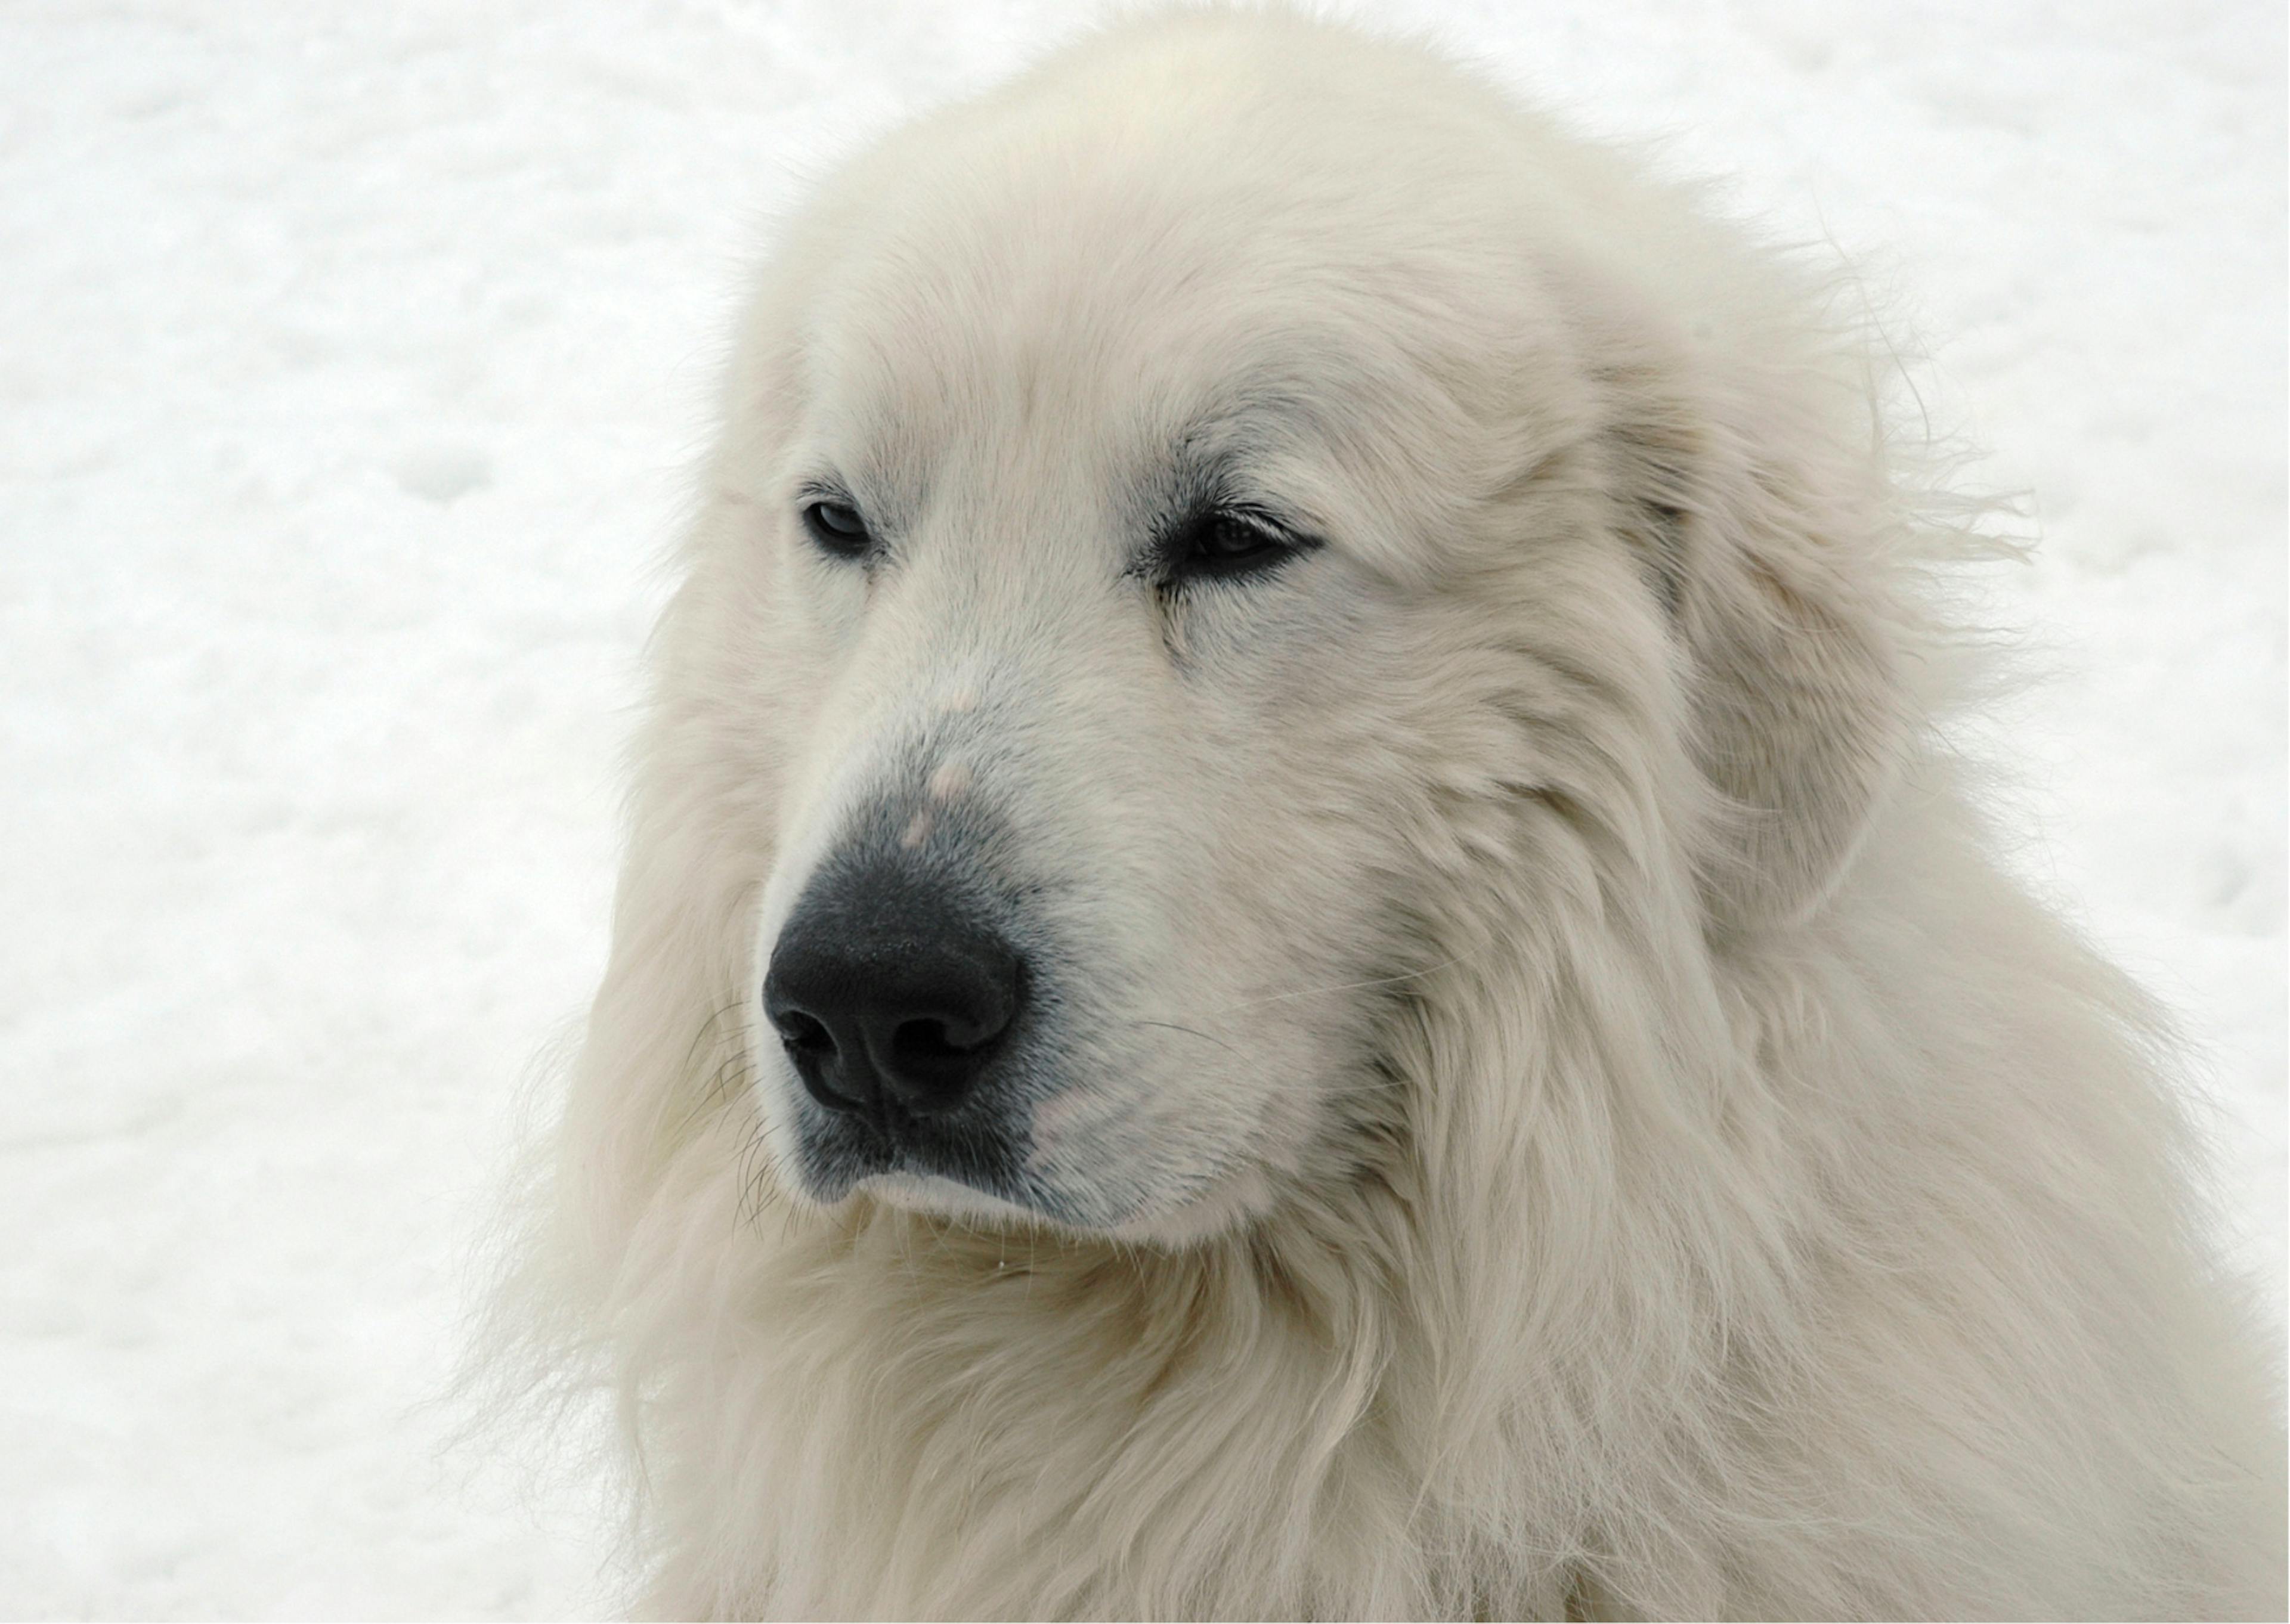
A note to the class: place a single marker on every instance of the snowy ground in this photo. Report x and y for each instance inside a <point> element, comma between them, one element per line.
<point>349,355</point>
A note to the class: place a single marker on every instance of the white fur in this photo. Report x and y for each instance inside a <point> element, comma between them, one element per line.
<point>1564,1113</point>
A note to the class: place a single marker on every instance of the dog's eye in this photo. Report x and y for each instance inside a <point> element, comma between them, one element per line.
<point>1223,543</point>
<point>838,528</point>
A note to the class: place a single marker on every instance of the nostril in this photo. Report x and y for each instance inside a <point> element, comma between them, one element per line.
<point>923,1042</point>
<point>931,1063</point>
<point>804,1034</point>
<point>820,1061</point>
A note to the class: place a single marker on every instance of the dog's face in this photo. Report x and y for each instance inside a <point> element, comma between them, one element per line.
<point>1170,554</point>
<point>1110,508</point>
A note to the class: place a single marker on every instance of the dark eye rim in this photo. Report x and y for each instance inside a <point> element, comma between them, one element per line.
<point>1200,546</point>
<point>835,524</point>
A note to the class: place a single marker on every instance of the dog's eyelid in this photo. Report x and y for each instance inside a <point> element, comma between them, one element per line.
<point>811,493</point>
<point>1256,517</point>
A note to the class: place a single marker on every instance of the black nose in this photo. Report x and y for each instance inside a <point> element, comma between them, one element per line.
<point>890,996</point>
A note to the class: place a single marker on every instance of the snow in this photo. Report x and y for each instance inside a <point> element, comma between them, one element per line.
<point>351,358</point>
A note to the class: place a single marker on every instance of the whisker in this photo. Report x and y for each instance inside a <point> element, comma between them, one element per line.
<point>1316,992</point>
<point>708,1025</point>
<point>1175,1026</point>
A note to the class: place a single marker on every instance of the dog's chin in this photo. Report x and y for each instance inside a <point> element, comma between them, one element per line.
<point>1227,1203</point>
<point>942,1197</point>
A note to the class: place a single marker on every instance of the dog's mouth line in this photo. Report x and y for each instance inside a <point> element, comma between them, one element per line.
<point>855,1148</point>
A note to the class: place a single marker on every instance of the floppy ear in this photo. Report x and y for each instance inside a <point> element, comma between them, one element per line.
<point>1763,536</point>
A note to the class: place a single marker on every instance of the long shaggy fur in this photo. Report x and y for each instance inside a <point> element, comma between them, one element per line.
<point>1657,1162</point>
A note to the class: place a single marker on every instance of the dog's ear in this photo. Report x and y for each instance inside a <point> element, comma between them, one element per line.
<point>1768,562</point>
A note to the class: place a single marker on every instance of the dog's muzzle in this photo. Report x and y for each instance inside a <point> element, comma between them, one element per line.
<point>911,1011</point>
<point>891,997</point>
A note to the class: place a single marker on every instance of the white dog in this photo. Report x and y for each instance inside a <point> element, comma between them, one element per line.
<point>1295,941</point>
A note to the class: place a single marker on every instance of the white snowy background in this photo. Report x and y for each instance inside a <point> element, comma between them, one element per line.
<point>351,359</point>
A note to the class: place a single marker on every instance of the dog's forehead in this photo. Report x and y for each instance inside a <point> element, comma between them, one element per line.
<point>1071,317</point>
<point>1061,293</point>
<point>1110,328</point>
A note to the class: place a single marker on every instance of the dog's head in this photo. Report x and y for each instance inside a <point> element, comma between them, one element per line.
<point>1204,542</point>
